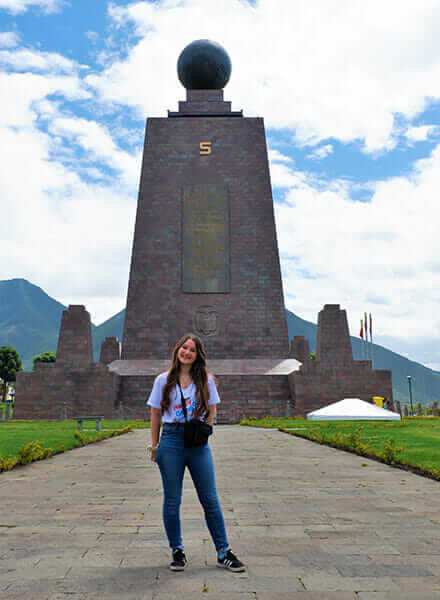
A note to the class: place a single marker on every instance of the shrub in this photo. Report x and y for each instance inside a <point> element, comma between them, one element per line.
<point>44,357</point>
<point>6,464</point>
<point>80,438</point>
<point>389,451</point>
<point>33,451</point>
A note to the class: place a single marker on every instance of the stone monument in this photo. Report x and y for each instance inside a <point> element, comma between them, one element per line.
<point>205,256</point>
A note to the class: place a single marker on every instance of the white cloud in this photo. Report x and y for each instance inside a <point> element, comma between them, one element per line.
<point>420,133</point>
<point>337,70</point>
<point>93,36</point>
<point>32,60</point>
<point>71,237</point>
<point>9,39</point>
<point>277,157</point>
<point>96,140</point>
<point>16,108</point>
<point>68,234</point>
<point>283,177</point>
<point>321,152</point>
<point>20,6</point>
<point>379,256</point>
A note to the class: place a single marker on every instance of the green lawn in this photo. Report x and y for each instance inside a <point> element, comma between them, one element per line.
<point>414,441</point>
<point>57,435</point>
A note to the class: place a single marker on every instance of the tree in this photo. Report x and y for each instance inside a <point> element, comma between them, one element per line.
<point>44,357</point>
<point>10,364</point>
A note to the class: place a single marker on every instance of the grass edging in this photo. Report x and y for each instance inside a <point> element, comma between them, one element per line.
<point>34,450</point>
<point>388,459</point>
<point>352,442</point>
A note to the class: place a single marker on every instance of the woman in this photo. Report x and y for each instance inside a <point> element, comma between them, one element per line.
<point>187,378</point>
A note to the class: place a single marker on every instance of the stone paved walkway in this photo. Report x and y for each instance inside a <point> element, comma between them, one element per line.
<point>311,522</point>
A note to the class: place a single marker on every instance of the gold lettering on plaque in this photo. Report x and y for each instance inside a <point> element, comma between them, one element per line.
<point>205,148</point>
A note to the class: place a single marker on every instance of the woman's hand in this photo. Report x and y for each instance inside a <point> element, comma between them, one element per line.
<point>155,417</point>
<point>211,415</point>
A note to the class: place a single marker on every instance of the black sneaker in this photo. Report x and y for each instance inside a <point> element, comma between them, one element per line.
<point>231,562</point>
<point>179,560</point>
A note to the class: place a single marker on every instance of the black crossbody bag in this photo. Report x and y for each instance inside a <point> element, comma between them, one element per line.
<point>196,432</point>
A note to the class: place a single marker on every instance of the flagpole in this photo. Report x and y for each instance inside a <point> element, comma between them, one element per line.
<point>371,339</point>
<point>366,335</point>
<point>361,335</point>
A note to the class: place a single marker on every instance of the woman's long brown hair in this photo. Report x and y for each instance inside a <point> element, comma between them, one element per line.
<point>199,375</point>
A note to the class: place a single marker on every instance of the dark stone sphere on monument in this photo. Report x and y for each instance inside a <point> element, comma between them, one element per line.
<point>204,65</point>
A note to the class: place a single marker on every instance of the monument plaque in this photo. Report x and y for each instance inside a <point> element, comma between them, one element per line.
<point>205,239</point>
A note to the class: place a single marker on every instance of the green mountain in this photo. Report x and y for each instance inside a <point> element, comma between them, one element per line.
<point>30,321</point>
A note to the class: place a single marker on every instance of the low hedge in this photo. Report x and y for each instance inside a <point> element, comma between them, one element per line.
<point>35,450</point>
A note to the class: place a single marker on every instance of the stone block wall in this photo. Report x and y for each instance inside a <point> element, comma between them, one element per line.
<point>135,390</point>
<point>317,388</point>
<point>54,392</point>
<point>253,395</point>
<point>241,395</point>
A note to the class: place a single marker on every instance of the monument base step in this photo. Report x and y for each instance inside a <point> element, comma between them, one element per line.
<point>245,366</point>
<point>255,387</point>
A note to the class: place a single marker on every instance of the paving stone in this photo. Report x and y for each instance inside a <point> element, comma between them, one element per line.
<point>428,561</point>
<point>398,596</point>
<point>330,582</point>
<point>419,584</point>
<point>207,595</point>
<point>309,523</point>
<point>376,570</point>
<point>304,595</point>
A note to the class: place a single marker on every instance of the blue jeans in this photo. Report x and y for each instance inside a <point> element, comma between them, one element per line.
<point>172,458</point>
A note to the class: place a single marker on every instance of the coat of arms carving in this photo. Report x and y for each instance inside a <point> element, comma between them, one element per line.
<point>206,320</point>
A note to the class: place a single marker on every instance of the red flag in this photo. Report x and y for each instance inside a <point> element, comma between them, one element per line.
<point>361,334</point>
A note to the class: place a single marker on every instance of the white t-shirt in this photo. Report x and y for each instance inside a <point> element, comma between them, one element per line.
<point>174,414</point>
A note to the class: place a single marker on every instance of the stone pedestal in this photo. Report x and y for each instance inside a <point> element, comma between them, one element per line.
<point>299,349</point>
<point>110,350</point>
<point>333,345</point>
<point>334,374</point>
<point>75,339</point>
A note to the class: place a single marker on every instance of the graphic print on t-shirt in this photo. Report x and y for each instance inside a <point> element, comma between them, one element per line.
<point>174,414</point>
<point>178,411</point>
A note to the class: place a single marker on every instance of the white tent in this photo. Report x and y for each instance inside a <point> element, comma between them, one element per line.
<point>352,409</point>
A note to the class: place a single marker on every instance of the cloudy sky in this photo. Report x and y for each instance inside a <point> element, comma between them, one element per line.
<point>350,94</point>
